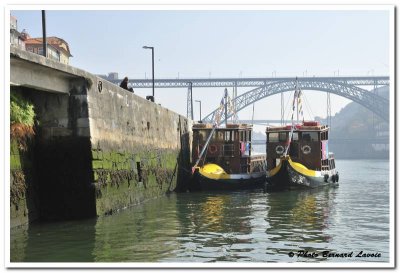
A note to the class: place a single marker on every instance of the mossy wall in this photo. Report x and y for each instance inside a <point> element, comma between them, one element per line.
<point>140,150</point>
<point>23,194</point>
<point>124,179</point>
<point>23,198</point>
<point>98,148</point>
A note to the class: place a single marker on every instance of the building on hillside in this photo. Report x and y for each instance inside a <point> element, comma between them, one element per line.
<point>57,48</point>
<point>110,77</point>
<point>16,38</point>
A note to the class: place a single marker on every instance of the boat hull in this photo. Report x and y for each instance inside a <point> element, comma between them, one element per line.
<point>235,182</point>
<point>291,175</point>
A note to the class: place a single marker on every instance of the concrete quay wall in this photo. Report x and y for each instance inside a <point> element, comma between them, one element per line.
<point>98,148</point>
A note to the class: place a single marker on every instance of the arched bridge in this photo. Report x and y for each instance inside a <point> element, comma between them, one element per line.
<point>373,102</point>
<point>348,87</point>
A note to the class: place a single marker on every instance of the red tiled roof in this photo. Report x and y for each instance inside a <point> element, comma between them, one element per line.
<point>54,41</point>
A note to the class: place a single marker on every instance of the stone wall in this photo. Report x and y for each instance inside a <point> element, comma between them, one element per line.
<point>98,148</point>
<point>23,195</point>
<point>138,147</point>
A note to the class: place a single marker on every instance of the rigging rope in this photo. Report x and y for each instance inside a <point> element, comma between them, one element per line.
<point>217,120</point>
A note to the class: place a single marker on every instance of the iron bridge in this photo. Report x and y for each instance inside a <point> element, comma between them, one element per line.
<point>348,87</point>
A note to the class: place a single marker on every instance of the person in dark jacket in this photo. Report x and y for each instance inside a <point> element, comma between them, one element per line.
<point>124,84</point>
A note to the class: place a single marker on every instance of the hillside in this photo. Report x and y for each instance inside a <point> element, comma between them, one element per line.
<point>358,133</point>
<point>355,133</point>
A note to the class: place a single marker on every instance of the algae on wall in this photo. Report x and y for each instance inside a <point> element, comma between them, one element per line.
<point>22,193</point>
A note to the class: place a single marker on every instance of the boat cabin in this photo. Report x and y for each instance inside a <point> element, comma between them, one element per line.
<point>229,147</point>
<point>309,145</point>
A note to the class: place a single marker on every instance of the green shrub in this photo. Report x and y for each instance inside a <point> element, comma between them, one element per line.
<point>21,110</point>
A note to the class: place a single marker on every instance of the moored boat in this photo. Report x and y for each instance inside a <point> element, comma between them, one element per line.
<point>228,162</point>
<point>308,162</point>
<point>298,155</point>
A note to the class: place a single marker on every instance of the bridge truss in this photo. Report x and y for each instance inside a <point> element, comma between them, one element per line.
<point>373,102</point>
<point>347,87</point>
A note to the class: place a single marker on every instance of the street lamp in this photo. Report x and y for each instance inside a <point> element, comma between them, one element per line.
<point>152,66</point>
<point>44,33</point>
<point>199,101</point>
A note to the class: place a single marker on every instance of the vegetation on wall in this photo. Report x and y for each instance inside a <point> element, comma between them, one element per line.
<point>22,118</point>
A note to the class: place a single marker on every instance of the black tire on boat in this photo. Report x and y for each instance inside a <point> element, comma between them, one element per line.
<point>326,177</point>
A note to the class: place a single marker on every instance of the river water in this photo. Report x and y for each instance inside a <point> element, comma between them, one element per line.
<point>247,226</point>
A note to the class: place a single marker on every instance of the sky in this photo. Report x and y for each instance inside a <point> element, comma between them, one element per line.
<point>223,43</point>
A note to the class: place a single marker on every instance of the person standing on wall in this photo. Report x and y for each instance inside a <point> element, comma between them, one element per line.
<point>124,84</point>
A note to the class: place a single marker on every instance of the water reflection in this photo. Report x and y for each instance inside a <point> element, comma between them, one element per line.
<point>54,242</point>
<point>299,220</point>
<point>189,227</point>
<point>246,226</point>
<point>144,233</point>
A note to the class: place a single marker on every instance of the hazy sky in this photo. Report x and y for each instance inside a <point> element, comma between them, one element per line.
<point>215,43</point>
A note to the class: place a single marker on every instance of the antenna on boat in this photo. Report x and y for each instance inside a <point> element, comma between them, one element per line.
<point>216,123</point>
<point>282,109</point>
<point>297,101</point>
<point>252,116</point>
<point>226,107</point>
<point>328,109</point>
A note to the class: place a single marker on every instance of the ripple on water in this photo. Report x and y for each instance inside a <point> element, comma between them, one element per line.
<point>248,226</point>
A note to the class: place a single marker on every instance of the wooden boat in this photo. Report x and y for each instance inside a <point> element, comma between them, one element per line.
<point>302,162</point>
<point>298,154</point>
<point>228,162</point>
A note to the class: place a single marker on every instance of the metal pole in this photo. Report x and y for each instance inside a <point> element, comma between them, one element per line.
<point>226,107</point>
<point>199,101</point>
<point>252,116</point>
<point>200,110</point>
<point>44,33</point>
<point>191,101</point>
<point>189,105</point>
<point>282,109</point>
<point>297,100</point>
<point>152,62</point>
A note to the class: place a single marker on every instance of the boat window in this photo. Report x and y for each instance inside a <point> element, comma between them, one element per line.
<point>295,136</point>
<point>324,135</point>
<point>202,136</point>
<point>282,137</point>
<point>248,135</point>
<point>229,136</point>
<point>310,136</point>
<point>273,137</point>
<point>241,138</point>
<point>220,135</point>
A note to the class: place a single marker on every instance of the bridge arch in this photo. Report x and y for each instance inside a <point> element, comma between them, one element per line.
<point>371,101</point>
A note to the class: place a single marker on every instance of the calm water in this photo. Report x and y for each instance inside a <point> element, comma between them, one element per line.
<point>234,227</point>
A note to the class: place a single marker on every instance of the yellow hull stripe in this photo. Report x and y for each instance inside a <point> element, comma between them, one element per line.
<point>276,169</point>
<point>213,171</point>
<point>300,168</point>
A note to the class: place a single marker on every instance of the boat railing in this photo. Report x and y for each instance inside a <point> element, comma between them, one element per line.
<point>258,157</point>
<point>328,164</point>
<point>258,164</point>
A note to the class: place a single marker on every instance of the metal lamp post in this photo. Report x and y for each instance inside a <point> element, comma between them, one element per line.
<point>199,101</point>
<point>44,33</point>
<point>152,64</point>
